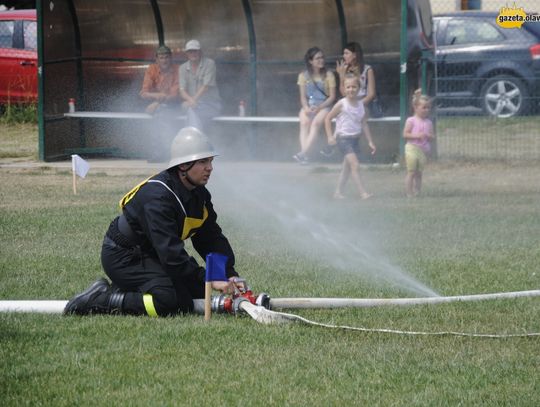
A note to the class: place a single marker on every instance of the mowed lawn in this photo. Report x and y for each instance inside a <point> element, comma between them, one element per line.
<point>474,230</point>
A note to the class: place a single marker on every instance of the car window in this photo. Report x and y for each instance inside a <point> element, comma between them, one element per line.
<point>437,23</point>
<point>30,35</point>
<point>470,32</point>
<point>6,34</point>
<point>533,28</point>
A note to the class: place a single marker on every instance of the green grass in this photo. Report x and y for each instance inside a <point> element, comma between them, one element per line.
<point>18,141</point>
<point>474,230</point>
<point>18,114</point>
<point>486,138</point>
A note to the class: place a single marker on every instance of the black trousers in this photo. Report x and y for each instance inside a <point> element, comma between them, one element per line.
<point>136,273</point>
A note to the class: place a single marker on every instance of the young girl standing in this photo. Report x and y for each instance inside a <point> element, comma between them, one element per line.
<point>317,93</point>
<point>418,132</point>
<point>351,122</point>
<point>353,64</point>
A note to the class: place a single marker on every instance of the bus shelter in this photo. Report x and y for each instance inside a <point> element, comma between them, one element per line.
<point>97,52</point>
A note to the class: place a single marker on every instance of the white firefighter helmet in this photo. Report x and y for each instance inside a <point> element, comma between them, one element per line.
<point>190,144</point>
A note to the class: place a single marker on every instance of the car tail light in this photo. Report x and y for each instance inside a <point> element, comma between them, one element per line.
<point>535,51</point>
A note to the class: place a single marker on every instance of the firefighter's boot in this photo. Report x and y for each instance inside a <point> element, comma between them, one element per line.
<point>99,298</point>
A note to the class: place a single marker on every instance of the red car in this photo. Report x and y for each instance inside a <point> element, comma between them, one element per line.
<point>18,57</point>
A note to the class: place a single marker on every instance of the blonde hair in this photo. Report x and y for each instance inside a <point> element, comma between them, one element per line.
<point>418,97</point>
<point>350,75</point>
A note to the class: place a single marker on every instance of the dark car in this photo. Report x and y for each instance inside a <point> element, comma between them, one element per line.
<point>481,64</point>
<point>18,57</point>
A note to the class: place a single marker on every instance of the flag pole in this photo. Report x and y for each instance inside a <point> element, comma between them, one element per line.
<point>73,173</point>
<point>215,271</point>
<point>207,300</point>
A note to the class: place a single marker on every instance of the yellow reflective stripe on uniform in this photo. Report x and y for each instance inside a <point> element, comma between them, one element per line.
<point>190,224</point>
<point>193,223</point>
<point>127,197</point>
<point>149,305</point>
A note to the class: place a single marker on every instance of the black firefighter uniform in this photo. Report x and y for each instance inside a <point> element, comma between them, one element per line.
<point>143,251</point>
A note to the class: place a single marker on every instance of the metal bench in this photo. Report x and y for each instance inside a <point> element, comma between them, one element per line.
<point>388,135</point>
<point>223,119</point>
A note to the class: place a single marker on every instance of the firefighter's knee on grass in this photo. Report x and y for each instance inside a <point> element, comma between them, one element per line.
<point>160,301</point>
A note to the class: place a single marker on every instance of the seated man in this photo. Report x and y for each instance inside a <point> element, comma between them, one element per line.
<point>198,87</point>
<point>160,89</point>
<point>160,84</point>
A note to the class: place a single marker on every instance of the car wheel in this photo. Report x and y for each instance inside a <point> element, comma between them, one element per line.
<point>504,96</point>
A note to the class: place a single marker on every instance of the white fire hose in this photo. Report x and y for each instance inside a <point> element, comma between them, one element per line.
<point>266,316</point>
<point>297,303</point>
<point>39,307</point>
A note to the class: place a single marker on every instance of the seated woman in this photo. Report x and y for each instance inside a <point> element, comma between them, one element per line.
<point>317,94</point>
<point>353,63</point>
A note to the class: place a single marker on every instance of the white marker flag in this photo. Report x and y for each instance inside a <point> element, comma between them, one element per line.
<point>79,166</point>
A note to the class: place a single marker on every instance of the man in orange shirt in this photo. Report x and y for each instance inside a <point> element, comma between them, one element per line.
<point>160,84</point>
<point>160,89</point>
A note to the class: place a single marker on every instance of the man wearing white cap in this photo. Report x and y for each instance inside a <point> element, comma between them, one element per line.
<point>198,87</point>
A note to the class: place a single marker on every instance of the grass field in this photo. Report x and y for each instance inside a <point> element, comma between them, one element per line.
<point>474,230</point>
<point>485,138</point>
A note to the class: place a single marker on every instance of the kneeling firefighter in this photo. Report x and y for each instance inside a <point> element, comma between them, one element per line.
<point>143,250</point>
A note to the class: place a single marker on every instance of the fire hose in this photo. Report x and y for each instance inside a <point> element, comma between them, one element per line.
<point>261,308</point>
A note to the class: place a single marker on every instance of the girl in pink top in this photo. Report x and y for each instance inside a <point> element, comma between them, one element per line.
<point>418,132</point>
<point>351,122</point>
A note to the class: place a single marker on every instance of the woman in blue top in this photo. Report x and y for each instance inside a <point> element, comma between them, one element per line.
<point>317,93</point>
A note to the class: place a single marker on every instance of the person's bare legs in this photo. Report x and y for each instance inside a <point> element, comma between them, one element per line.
<point>409,183</point>
<point>417,183</point>
<point>314,128</point>
<point>305,124</point>
<point>354,166</point>
<point>343,178</point>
